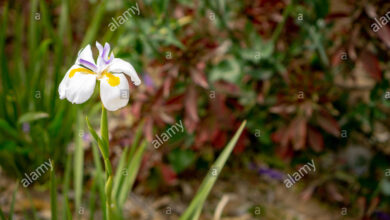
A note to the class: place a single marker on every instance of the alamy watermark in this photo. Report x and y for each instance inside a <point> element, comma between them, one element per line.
<point>121,19</point>
<point>38,172</point>
<point>170,132</point>
<point>381,22</point>
<point>296,176</point>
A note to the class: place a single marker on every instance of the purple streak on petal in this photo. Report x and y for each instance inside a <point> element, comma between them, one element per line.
<point>108,61</point>
<point>106,50</point>
<point>88,64</point>
<point>99,46</point>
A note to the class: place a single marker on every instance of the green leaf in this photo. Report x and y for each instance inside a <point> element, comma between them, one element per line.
<point>132,171</point>
<point>385,187</point>
<point>104,131</point>
<point>67,213</point>
<point>228,70</point>
<point>181,159</point>
<point>195,208</point>
<point>2,216</point>
<point>126,157</point>
<point>96,136</point>
<point>78,161</point>
<point>53,193</point>
<point>92,199</point>
<point>98,177</point>
<point>11,212</point>
<point>118,173</point>
<point>6,128</point>
<point>95,23</point>
<point>32,116</point>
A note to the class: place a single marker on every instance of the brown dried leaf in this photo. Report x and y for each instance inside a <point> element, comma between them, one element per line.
<point>316,140</point>
<point>328,123</point>
<point>371,65</point>
<point>384,35</point>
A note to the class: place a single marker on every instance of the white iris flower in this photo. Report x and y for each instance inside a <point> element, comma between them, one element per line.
<point>80,80</point>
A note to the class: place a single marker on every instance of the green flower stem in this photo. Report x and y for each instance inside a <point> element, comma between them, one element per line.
<point>109,205</point>
<point>107,163</point>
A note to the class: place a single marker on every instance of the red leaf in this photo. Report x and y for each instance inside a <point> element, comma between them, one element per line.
<point>371,65</point>
<point>298,129</point>
<point>384,35</point>
<point>168,174</point>
<point>281,136</point>
<point>315,140</point>
<point>328,123</point>
<point>219,139</point>
<point>199,78</point>
<point>241,143</point>
<point>148,129</point>
<point>191,109</point>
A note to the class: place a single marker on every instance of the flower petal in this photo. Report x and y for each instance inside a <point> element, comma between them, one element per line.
<point>121,66</point>
<point>85,55</point>
<point>114,91</point>
<point>77,88</point>
<point>104,57</point>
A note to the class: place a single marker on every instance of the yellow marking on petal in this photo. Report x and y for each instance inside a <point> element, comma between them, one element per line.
<point>81,69</point>
<point>112,80</point>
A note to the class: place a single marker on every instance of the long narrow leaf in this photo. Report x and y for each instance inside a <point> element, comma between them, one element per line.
<point>78,162</point>
<point>132,170</point>
<point>96,136</point>
<point>195,208</point>
<point>34,211</point>
<point>11,211</point>
<point>92,200</point>
<point>66,212</point>
<point>94,26</point>
<point>53,193</point>
<point>2,216</point>
<point>125,158</point>
<point>98,177</point>
<point>118,172</point>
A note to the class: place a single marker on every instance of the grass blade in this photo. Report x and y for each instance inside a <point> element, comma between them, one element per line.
<point>66,212</point>
<point>53,193</point>
<point>132,168</point>
<point>99,178</point>
<point>196,206</point>
<point>78,162</point>
<point>92,200</point>
<point>11,211</point>
<point>96,136</point>
<point>2,216</point>
<point>34,211</point>
<point>118,173</point>
<point>95,25</point>
<point>125,158</point>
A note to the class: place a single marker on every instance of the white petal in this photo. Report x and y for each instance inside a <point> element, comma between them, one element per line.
<point>121,66</point>
<point>85,54</point>
<point>114,97</point>
<point>104,52</point>
<point>64,83</point>
<point>79,88</point>
<point>100,49</point>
